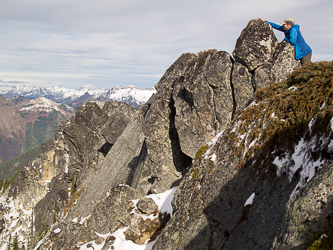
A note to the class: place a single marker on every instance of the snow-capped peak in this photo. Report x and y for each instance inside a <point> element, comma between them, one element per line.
<point>131,95</point>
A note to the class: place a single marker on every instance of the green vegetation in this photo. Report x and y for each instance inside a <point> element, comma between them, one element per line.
<point>323,240</point>
<point>73,183</point>
<point>64,107</point>
<point>29,141</point>
<point>201,152</point>
<point>42,129</point>
<point>8,183</point>
<point>73,199</point>
<point>195,173</point>
<point>8,168</point>
<point>210,166</point>
<point>15,243</point>
<point>281,116</point>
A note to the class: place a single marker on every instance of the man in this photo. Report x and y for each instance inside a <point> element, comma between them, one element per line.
<point>293,36</point>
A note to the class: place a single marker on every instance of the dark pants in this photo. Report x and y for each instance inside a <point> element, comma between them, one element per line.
<point>306,59</point>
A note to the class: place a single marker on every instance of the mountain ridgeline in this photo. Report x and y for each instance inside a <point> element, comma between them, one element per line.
<point>75,97</point>
<point>243,144</point>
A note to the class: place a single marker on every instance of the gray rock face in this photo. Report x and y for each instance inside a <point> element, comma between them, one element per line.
<point>163,150</point>
<point>203,100</point>
<point>194,101</point>
<point>120,114</point>
<point>78,235</point>
<point>256,44</point>
<point>104,219</point>
<point>309,212</point>
<point>218,217</point>
<point>284,62</point>
<point>242,86</point>
<point>262,76</point>
<point>117,168</point>
<point>147,206</point>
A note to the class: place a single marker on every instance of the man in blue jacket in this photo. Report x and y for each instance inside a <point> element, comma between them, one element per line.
<point>293,36</point>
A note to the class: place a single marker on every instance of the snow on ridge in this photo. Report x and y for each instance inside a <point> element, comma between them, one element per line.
<point>60,93</point>
<point>119,93</point>
<point>41,104</point>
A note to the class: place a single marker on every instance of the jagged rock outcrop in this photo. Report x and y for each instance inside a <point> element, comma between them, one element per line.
<point>163,154</point>
<point>203,100</point>
<point>241,183</point>
<point>108,159</point>
<point>217,218</point>
<point>117,168</point>
<point>256,45</point>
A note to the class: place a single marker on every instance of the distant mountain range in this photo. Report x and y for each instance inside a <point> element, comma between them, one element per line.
<point>75,97</point>
<point>26,123</point>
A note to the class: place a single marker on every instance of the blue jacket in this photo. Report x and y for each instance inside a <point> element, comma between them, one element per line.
<point>294,37</point>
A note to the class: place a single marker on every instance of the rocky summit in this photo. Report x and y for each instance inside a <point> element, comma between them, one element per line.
<point>231,152</point>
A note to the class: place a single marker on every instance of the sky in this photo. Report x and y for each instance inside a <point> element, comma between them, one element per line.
<point>105,43</point>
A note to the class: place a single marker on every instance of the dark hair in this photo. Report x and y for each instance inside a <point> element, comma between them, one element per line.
<point>290,22</point>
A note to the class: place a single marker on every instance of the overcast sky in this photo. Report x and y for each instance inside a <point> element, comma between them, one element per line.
<point>132,42</point>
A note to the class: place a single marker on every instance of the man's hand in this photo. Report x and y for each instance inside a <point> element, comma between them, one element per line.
<point>260,18</point>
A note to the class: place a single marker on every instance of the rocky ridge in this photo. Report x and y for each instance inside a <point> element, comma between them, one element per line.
<point>198,140</point>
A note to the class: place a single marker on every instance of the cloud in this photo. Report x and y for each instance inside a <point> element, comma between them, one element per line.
<point>108,43</point>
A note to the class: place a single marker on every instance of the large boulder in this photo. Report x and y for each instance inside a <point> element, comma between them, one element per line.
<point>256,44</point>
<point>91,115</point>
<point>84,143</point>
<point>284,62</point>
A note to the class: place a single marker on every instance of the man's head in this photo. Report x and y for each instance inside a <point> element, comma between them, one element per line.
<point>288,23</point>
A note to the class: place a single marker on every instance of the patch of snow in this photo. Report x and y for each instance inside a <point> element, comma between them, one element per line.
<point>273,115</point>
<point>293,88</point>
<point>213,157</point>
<point>84,219</point>
<point>302,160</point>
<point>123,185</point>
<point>212,144</point>
<point>120,242</point>
<point>56,231</point>
<point>162,200</point>
<point>249,201</point>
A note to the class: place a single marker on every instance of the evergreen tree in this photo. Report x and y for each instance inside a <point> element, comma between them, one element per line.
<point>15,243</point>
<point>73,184</point>
<point>46,229</point>
<point>54,220</point>
<point>9,243</point>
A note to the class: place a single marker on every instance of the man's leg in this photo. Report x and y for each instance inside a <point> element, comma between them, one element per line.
<point>306,59</point>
